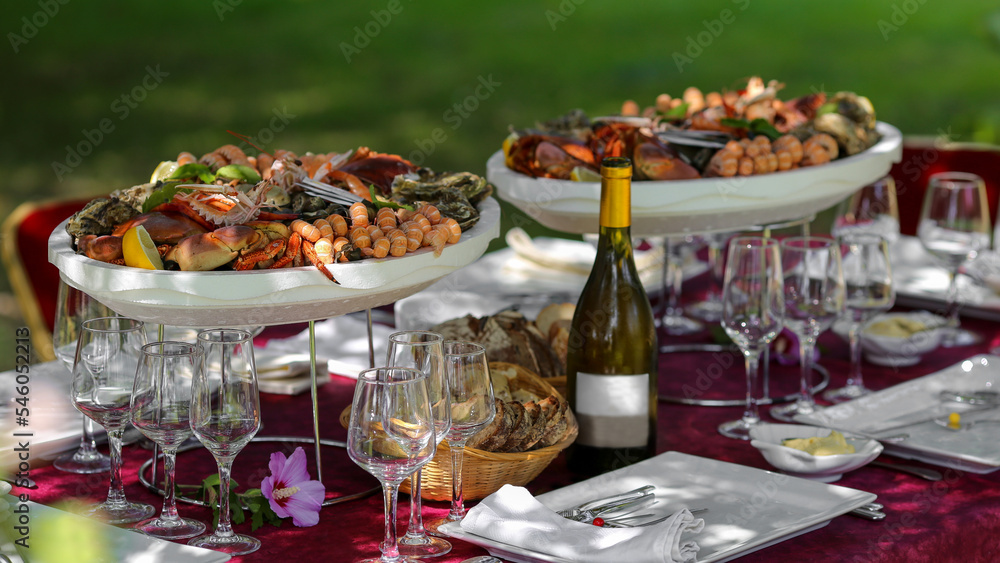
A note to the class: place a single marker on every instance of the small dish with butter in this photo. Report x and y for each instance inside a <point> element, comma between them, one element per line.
<point>812,452</point>
<point>898,339</point>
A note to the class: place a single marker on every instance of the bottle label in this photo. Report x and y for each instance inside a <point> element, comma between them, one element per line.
<point>612,410</point>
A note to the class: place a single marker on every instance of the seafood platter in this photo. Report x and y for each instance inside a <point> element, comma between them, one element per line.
<point>230,239</point>
<point>702,162</point>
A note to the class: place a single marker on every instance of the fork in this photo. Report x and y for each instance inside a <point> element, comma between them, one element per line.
<point>604,502</point>
<point>327,192</point>
<point>622,521</point>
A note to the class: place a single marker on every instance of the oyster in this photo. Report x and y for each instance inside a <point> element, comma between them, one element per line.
<point>455,194</point>
<point>136,195</point>
<point>99,217</point>
<point>848,118</point>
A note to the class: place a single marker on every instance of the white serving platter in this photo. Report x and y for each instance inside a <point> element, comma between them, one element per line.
<point>704,204</point>
<point>975,450</point>
<point>266,297</point>
<point>748,508</point>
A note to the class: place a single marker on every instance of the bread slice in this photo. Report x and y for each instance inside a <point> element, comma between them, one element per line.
<point>479,438</point>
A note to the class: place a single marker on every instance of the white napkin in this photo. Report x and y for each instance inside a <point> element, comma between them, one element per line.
<point>512,516</point>
<point>343,340</point>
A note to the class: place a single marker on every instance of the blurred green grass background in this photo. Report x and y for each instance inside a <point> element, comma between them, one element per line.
<point>387,74</point>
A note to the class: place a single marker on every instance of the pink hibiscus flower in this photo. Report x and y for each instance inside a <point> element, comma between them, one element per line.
<point>289,490</point>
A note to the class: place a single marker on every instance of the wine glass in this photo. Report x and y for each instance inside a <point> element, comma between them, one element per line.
<point>225,416</point>
<point>422,351</point>
<point>954,226</point>
<point>72,308</point>
<point>161,403</point>
<point>391,435</point>
<point>673,320</point>
<point>472,408</point>
<point>868,283</point>
<point>710,308</point>
<point>872,209</point>
<point>814,299</point>
<point>752,309</point>
<point>107,355</point>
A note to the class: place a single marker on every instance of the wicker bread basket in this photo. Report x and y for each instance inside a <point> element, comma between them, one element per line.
<point>483,473</point>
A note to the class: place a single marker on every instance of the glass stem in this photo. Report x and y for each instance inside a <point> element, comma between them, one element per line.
<point>169,511</point>
<point>390,547</point>
<point>752,416</point>
<point>88,444</point>
<point>224,529</point>
<point>116,491</point>
<point>855,340</point>
<point>806,346</point>
<point>952,300</point>
<point>457,511</point>
<point>416,527</point>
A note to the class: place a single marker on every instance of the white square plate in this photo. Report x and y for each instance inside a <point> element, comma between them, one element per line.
<point>748,508</point>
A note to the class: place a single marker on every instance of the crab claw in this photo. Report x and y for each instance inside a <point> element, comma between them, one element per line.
<point>106,248</point>
<point>656,162</point>
<point>167,227</point>
<point>210,250</point>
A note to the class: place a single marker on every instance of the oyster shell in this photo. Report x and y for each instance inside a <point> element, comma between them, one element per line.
<point>455,194</point>
<point>99,217</point>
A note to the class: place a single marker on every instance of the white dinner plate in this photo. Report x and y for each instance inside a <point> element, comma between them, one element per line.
<point>975,450</point>
<point>704,204</point>
<point>748,508</point>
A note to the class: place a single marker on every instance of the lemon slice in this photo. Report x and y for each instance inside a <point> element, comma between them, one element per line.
<point>581,174</point>
<point>163,170</point>
<point>139,249</point>
<point>508,142</point>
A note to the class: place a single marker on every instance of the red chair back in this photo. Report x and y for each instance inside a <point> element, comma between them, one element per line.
<point>34,280</point>
<point>920,161</point>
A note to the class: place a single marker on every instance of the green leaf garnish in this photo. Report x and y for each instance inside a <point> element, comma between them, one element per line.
<point>734,122</point>
<point>161,196</point>
<point>238,172</point>
<point>679,112</point>
<point>192,170</point>
<point>764,127</point>
<point>379,202</point>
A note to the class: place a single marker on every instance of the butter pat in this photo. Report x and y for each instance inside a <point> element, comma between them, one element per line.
<point>833,444</point>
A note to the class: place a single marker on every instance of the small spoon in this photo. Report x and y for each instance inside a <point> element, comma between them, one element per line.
<point>971,397</point>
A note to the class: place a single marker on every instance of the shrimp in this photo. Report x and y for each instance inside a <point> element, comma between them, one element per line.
<point>437,238</point>
<point>233,154</point>
<point>325,228</point>
<point>324,250</point>
<point>375,233</point>
<point>422,222</point>
<point>308,232</point>
<point>185,158</point>
<point>264,162</point>
<point>338,245</point>
<point>381,248</point>
<point>385,219</point>
<point>359,215</point>
<point>338,223</point>
<point>819,149</point>
<point>454,230</point>
<point>414,235</point>
<point>430,212</point>
<point>360,237</point>
<point>353,183</point>
<point>724,162</point>
<point>790,144</point>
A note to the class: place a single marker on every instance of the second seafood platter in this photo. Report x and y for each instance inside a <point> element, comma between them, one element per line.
<point>232,239</point>
<point>703,162</point>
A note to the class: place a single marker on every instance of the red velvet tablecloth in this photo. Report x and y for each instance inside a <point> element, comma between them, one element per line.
<point>956,519</point>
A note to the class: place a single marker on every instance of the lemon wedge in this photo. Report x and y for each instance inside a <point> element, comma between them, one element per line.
<point>140,250</point>
<point>163,170</point>
<point>508,142</point>
<point>581,174</point>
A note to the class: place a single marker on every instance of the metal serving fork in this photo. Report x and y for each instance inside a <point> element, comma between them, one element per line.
<point>606,504</point>
<point>329,193</point>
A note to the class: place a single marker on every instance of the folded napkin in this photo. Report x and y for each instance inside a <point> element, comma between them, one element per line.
<point>512,516</point>
<point>344,340</point>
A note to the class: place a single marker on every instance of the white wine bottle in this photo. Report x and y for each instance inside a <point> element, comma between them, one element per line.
<point>611,363</point>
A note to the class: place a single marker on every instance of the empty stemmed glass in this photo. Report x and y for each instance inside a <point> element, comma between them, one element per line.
<point>673,320</point>
<point>422,351</point>
<point>72,308</point>
<point>872,209</point>
<point>107,356</point>
<point>472,408</point>
<point>869,291</point>
<point>954,226</point>
<point>391,435</point>
<point>225,416</point>
<point>752,310</point>
<point>161,403</point>
<point>710,308</point>
<point>814,299</point>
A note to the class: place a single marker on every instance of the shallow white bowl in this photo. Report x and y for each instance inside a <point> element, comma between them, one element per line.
<point>767,439</point>
<point>895,351</point>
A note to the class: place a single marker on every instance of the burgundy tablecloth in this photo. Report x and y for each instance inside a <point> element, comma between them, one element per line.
<point>957,519</point>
